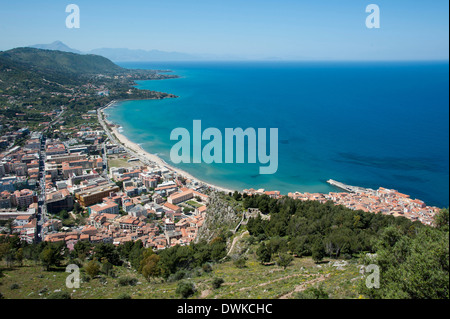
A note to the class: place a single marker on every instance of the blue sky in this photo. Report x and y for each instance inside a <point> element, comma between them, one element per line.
<point>288,29</point>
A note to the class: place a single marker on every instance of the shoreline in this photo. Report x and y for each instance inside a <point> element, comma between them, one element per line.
<point>137,151</point>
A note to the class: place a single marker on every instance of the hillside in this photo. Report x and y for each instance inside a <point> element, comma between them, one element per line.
<point>35,81</point>
<point>61,62</point>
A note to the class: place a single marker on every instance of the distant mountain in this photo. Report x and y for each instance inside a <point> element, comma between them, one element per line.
<point>61,62</point>
<point>56,46</point>
<point>122,55</point>
<point>127,55</point>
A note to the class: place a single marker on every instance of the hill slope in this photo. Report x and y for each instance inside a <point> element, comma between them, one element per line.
<point>61,62</point>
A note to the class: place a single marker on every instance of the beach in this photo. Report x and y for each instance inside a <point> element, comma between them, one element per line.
<point>147,158</point>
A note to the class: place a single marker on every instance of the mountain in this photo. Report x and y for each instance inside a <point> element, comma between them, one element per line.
<point>61,62</point>
<point>56,46</point>
<point>121,54</point>
<point>127,55</point>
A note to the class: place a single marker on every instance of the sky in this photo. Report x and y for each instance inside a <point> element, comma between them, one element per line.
<point>251,29</point>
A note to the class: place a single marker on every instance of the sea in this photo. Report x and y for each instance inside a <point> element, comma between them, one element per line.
<point>368,124</point>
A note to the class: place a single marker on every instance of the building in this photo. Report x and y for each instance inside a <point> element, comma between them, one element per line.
<point>172,207</point>
<point>109,207</point>
<point>180,197</point>
<point>24,198</point>
<point>95,195</point>
<point>5,200</point>
<point>59,201</point>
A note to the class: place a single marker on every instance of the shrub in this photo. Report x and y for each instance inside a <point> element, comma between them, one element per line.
<point>59,295</point>
<point>43,290</point>
<point>313,293</point>
<point>127,281</point>
<point>240,263</point>
<point>185,289</point>
<point>124,296</point>
<point>217,282</point>
<point>92,268</point>
<point>85,278</point>
<point>180,274</point>
<point>14,286</point>
<point>207,268</point>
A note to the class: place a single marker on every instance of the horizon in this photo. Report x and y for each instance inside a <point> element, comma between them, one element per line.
<point>287,31</point>
<point>242,60</point>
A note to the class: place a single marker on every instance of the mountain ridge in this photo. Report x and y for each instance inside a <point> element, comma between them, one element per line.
<point>121,54</point>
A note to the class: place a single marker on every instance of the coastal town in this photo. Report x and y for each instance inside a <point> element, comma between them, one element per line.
<point>84,187</point>
<point>67,174</point>
<point>92,184</point>
<point>382,201</point>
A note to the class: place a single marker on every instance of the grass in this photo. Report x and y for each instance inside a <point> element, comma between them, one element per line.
<point>121,163</point>
<point>255,281</point>
<point>194,203</point>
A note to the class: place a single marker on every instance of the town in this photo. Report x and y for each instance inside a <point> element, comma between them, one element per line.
<point>383,201</point>
<point>84,187</point>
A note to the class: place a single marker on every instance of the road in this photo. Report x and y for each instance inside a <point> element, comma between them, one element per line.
<point>42,208</point>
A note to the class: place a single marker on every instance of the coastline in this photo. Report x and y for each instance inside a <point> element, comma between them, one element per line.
<point>145,157</point>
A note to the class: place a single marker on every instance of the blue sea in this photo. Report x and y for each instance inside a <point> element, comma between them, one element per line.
<point>365,124</point>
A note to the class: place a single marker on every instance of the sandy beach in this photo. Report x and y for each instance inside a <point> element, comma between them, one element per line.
<point>145,157</point>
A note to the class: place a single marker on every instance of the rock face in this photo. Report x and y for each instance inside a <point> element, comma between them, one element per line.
<point>221,218</point>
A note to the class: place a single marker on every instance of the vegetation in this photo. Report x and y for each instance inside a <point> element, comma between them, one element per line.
<point>413,260</point>
<point>217,283</point>
<point>34,83</point>
<point>185,289</point>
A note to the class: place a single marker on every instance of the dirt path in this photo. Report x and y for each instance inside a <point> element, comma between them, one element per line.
<point>235,241</point>
<point>304,285</point>
<point>205,293</point>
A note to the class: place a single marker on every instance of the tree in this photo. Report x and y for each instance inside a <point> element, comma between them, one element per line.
<point>107,267</point>
<point>92,268</point>
<point>51,255</point>
<point>263,253</point>
<point>19,256</point>
<point>136,253</point>
<point>64,214</point>
<point>120,184</point>
<point>107,251</point>
<point>284,260</point>
<point>81,249</point>
<point>149,266</point>
<point>77,208</point>
<point>412,267</point>
<point>441,220</point>
<point>318,251</point>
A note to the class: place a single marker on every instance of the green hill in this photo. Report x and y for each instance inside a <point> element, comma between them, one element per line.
<point>61,62</point>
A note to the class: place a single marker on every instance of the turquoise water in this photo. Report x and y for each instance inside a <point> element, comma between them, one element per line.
<point>365,124</point>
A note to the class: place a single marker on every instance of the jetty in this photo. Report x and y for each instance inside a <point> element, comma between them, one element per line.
<point>349,188</point>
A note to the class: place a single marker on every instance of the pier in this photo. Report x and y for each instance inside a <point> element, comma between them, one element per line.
<point>349,188</point>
